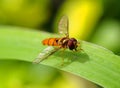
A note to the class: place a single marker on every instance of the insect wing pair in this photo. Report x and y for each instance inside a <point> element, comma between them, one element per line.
<point>64,42</point>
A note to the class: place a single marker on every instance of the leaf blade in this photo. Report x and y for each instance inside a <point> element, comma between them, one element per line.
<point>96,63</point>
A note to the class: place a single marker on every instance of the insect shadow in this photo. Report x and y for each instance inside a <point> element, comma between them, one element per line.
<point>68,57</point>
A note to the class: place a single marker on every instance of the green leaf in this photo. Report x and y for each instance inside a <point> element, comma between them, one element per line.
<point>94,63</point>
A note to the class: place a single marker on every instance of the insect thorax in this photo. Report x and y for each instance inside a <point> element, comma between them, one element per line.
<point>63,42</point>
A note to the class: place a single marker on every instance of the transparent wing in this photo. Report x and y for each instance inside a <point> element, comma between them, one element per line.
<point>63,26</point>
<point>45,54</point>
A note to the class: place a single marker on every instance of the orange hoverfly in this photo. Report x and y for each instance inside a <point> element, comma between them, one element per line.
<point>65,42</point>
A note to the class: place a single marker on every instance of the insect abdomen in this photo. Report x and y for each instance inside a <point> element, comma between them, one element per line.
<point>51,42</point>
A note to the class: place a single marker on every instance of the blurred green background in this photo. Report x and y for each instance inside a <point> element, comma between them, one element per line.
<point>96,21</point>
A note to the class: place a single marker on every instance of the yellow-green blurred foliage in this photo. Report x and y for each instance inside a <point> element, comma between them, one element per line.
<point>17,74</point>
<point>108,35</point>
<point>87,18</point>
<point>27,13</point>
<point>83,16</point>
<point>97,21</point>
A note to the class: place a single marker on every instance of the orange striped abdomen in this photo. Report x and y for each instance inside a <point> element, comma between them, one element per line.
<point>51,41</point>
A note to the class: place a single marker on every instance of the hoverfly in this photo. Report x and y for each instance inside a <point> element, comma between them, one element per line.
<point>64,42</point>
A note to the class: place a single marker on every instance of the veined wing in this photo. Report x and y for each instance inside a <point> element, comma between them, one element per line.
<point>45,54</point>
<point>63,26</point>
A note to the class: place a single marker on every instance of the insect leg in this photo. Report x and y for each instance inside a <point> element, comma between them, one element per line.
<point>78,47</point>
<point>61,54</point>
